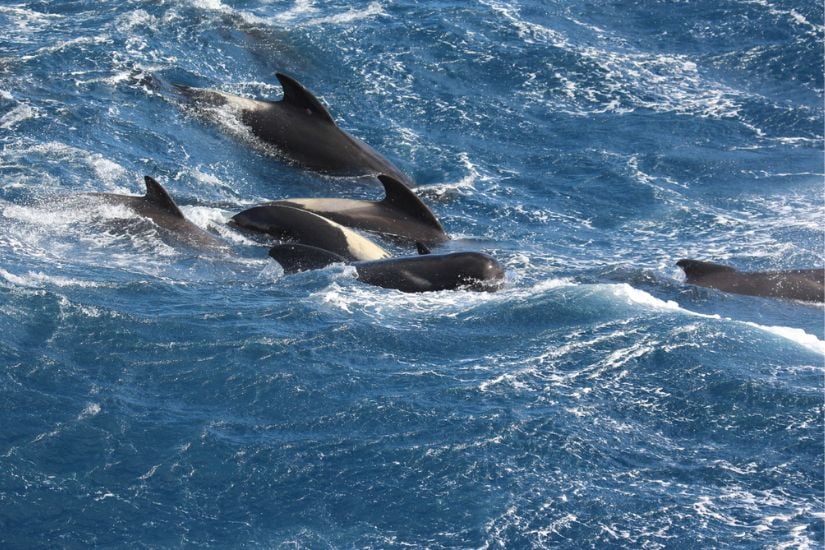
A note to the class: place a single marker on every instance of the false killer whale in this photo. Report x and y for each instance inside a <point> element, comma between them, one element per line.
<point>400,215</point>
<point>158,206</point>
<point>286,222</point>
<point>424,273</point>
<point>802,284</point>
<point>301,127</point>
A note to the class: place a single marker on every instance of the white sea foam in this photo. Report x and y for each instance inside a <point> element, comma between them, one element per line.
<point>128,22</point>
<point>215,219</point>
<point>792,16</point>
<point>38,279</point>
<point>27,22</point>
<point>301,13</point>
<point>92,409</point>
<point>382,304</point>
<point>795,335</point>
<point>299,10</point>
<point>374,9</point>
<point>630,80</point>
<point>465,186</point>
<point>18,114</point>
<point>62,45</point>
<point>105,170</point>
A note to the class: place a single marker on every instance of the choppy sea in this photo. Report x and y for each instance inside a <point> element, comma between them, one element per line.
<point>152,396</point>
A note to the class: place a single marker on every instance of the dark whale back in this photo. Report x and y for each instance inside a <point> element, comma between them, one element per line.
<point>302,128</point>
<point>401,214</point>
<point>801,284</point>
<point>424,273</point>
<point>159,206</point>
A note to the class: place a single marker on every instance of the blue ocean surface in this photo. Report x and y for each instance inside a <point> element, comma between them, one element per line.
<point>156,396</point>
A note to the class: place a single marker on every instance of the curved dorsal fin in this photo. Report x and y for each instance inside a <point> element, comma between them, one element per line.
<point>402,198</point>
<point>158,197</point>
<point>422,249</point>
<point>295,94</point>
<point>696,268</point>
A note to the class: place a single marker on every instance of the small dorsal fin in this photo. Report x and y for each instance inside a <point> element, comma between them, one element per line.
<point>402,198</point>
<point>696,268</point>
<point>295,94</point>
<point>157,196</point>
<point>423,249</point>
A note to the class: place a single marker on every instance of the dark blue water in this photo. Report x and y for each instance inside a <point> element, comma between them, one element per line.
<point>151,396</point>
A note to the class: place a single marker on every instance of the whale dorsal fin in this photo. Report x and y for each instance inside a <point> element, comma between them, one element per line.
<point>423,249</point>
<point>158,197</point>
<point>300,257</point>
<point>295,94</point>
<point>402,198</point>
<point>696,268</point>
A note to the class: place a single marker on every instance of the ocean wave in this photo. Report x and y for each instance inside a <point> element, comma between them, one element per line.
<point>302,12</point>
<point>627,80</point>
<point>18,114</point>
<point>795,335</point>
<point>100,168</point>
<point>40,280</point>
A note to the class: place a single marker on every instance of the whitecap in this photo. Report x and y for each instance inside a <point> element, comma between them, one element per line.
<point>68,44</point>
<point>92,409</point>
<point>17,115</point>
<point>374,9</point>
<point>796,335</point>
<point>38,279</point>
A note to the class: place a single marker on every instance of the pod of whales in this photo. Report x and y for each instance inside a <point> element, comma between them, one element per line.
<point>803,284</point>
<point>301,127</point>
<point>400,215</point>
<point>318,229</point>
<point>425,273</point>
<point>158,206</point>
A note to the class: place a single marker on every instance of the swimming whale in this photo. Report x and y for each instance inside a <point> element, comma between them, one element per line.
<point>301,127</point>
<point>400,214</point>
<point>308,228</point>
<point>801,284</point>
<point>423,273</point>
<point>158,206</point>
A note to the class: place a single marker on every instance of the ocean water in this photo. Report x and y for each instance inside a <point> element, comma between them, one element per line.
<point>153,396</point>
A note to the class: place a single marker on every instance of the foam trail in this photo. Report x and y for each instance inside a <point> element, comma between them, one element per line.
<point>795,335</point>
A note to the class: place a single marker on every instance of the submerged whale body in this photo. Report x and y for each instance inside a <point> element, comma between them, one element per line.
<point>158,206</point>
<point>424,273</point>
<point>801,284</point>
<point>401,214</point>
<point>302,128</point>
<point>286,222</point>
